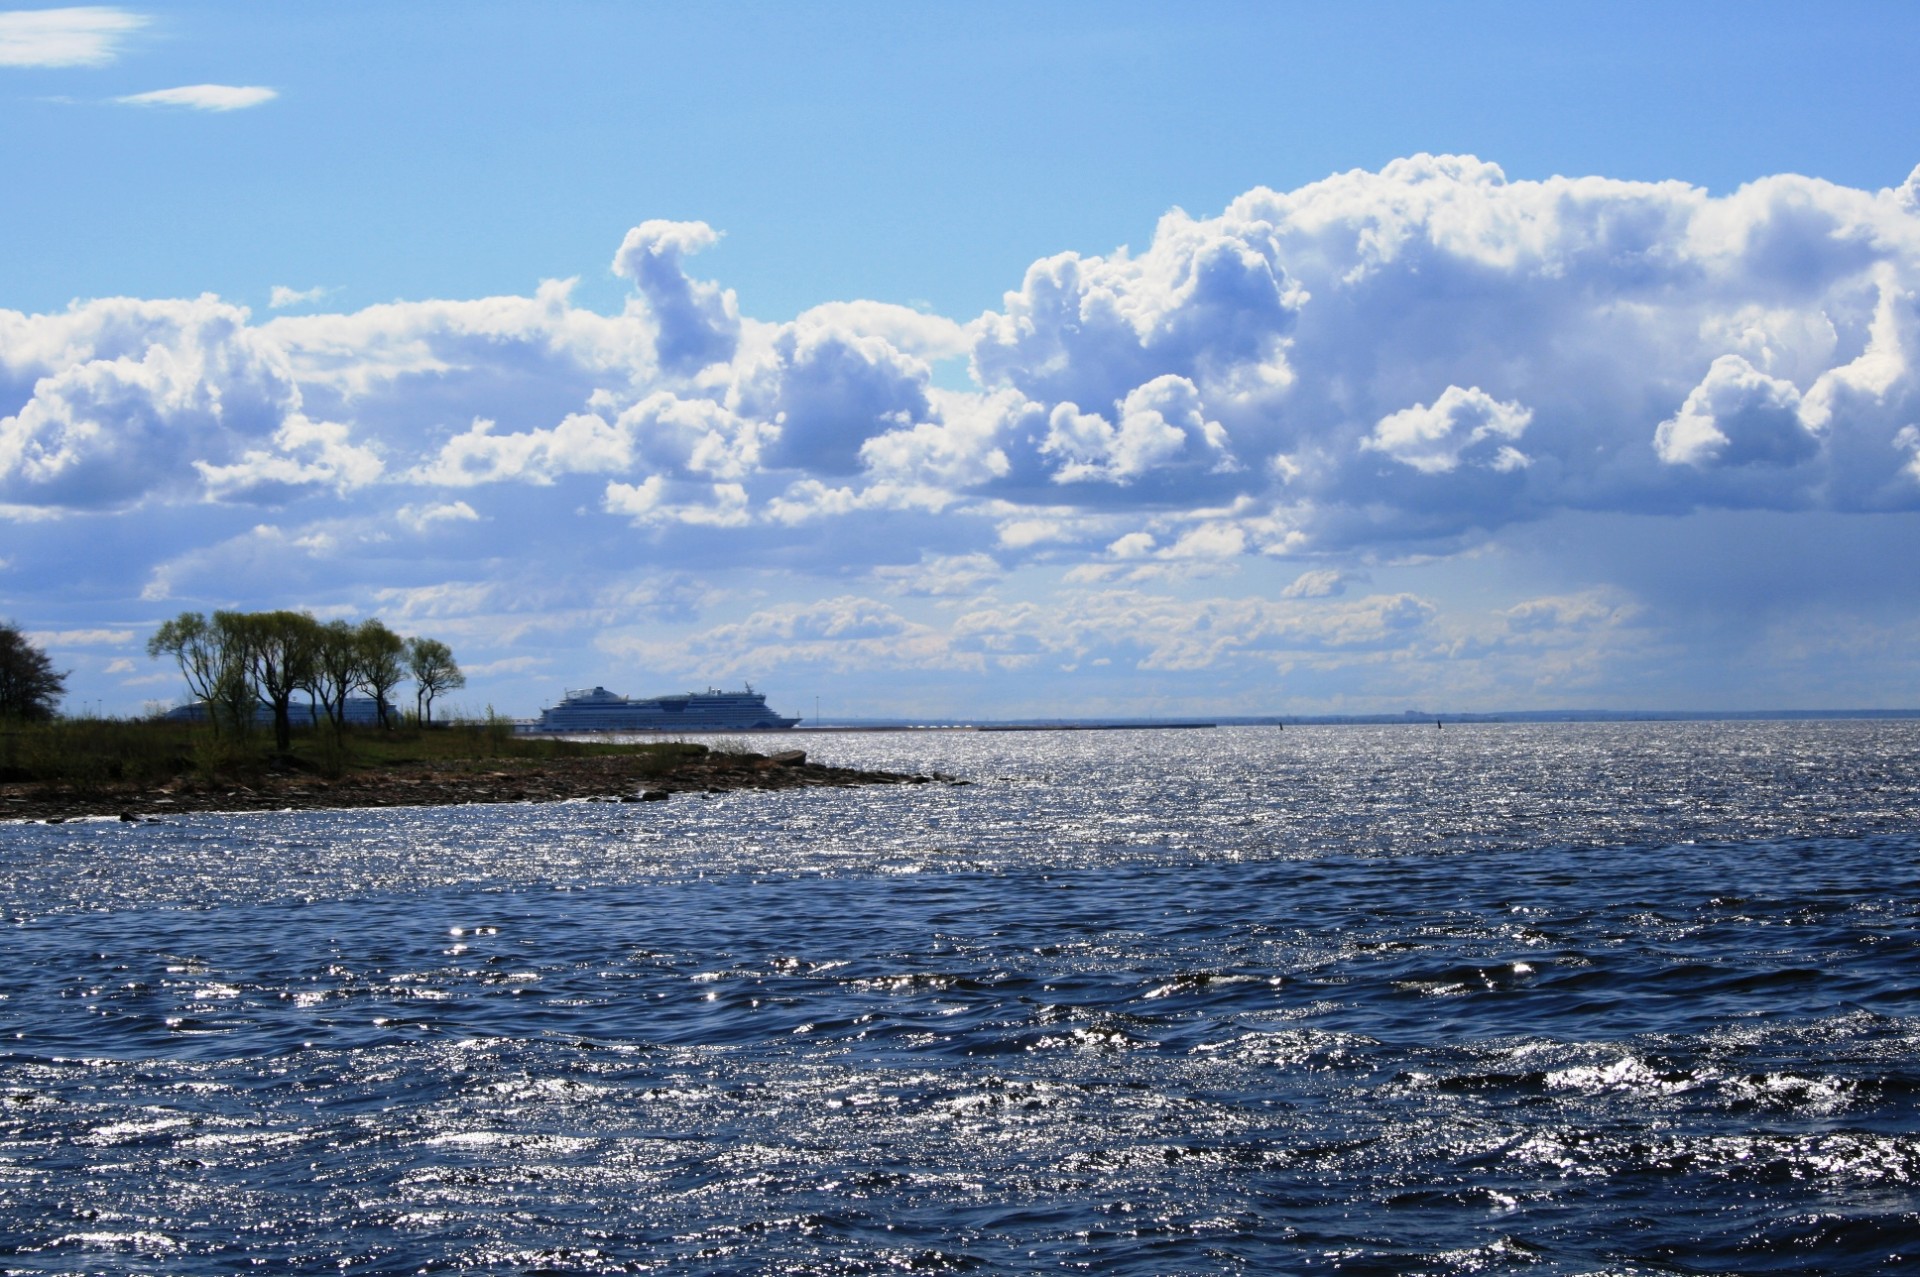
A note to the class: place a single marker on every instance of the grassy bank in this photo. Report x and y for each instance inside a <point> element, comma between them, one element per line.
<point>88,753</point>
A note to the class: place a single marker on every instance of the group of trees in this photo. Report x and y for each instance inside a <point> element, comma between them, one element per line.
<point>235,661</point>
<point>30,689</point>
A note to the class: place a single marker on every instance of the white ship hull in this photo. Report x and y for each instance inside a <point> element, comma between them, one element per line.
<point>598,710</point>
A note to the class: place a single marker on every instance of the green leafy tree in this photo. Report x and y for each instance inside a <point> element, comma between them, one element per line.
<point>279,650</point>
<point>380,663</point>
<point>209,655</point>
<point>434,671</point>
<point>234,699</point>
<point>30,689</point>
<point>335,669</point>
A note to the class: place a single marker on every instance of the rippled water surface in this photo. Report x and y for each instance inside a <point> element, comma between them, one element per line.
<point>1557,999</point>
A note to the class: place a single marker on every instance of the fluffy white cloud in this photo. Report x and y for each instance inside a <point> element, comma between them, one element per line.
<point>830,389</point>
<point>1209,541</point>
<point>718,505</point>
<point>1210,302</point>
<point>423,518</point>
<point>909,331</point>
<point>1737,416</point>
<point>699,323</point>
<point>113,400</point>
<point>1462,427</point>
<point>1379,370</point>
<point>1380,358</point>
<point>583,443</point>
<point>204,97</point>
<point>304,454</point>
<point>538,356</point>
<point>1162,429</point>
<point>966,447</point>
<point>1563,322</point>
<point>88,35</point>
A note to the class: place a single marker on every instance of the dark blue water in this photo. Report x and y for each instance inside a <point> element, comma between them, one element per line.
<point>1619,999</point>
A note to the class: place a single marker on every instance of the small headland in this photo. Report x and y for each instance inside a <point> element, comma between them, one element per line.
<point>146,770</point>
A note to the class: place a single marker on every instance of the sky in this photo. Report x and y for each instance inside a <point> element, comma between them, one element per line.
<point>977,360</point>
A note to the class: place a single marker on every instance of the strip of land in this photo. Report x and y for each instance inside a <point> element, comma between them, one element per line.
<point>635,773</point>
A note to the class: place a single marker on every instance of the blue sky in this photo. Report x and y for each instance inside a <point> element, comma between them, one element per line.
<point>999,359</point>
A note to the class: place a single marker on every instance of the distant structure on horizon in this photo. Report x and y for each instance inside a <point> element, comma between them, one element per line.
<point>359,711</point>
<point>595,709</point>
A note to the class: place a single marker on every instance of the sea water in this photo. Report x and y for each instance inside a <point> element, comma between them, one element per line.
<point>1550,999</point>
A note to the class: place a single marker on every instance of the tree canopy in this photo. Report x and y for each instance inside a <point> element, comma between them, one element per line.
<point>335,669</point>
<point>381,663</point>
<point>238,662</point>
<point>278,649</point>
<point>30,688</point>
<point>434,671</point>
<point>210,655</point>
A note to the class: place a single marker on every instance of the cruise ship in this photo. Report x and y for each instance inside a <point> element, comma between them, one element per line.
<point>595,709</point>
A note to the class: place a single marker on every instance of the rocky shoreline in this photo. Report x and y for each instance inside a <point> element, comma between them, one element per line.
<point>604,778</point>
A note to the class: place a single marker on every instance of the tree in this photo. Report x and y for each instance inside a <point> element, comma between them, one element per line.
<point>336,669</point>
<point>209,655</point>
<point>29,687</point>
<point>380,663</point>
<point>234,700</point>
<point>278,652</point>
<point>434,670</point>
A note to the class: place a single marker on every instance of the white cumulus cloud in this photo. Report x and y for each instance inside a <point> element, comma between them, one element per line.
<point>698,322</point>
<point>117,399</point>
<point>422,518</point>
<point>1461,426</point>
<point>1303,391</point>
<point>1161,425</point>
<point>303,454</point>
<point>1737,416</point>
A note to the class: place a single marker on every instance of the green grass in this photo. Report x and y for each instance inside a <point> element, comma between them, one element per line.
<point>100,753</point>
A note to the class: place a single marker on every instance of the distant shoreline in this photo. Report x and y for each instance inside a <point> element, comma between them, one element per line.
<point>1415,718</point>
<point>614,778</point>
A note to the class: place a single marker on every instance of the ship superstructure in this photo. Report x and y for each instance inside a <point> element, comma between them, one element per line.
<point>595,709</point>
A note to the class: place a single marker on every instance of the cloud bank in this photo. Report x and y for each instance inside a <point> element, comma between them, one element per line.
<point>1379,366</point>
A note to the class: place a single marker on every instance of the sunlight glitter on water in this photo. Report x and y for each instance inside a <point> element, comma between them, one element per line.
<point>1142,1001</point>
